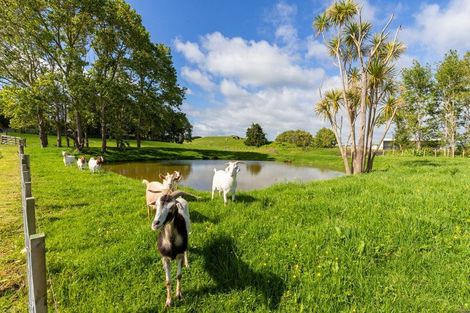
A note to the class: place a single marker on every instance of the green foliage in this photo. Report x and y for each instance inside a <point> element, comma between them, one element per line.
<point>255,136</point>
<point>300,138</point>
<point>127,88</point>
<point>325,138</point>
<point>420,102</point>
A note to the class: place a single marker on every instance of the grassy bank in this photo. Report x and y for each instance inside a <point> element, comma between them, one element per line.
<point>396,240</point>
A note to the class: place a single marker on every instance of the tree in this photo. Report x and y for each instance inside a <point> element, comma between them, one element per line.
<point>300,138</point>
<point>419,102</point>
<point>367,94</point>
<point>453,85</point>
<point>255,136</point>
<point>81,64</point>
<point>325,138</point>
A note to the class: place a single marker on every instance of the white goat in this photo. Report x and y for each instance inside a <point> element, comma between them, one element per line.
<point>226,181</point>
<point>154,188</point>
<point>172,215</point>
<point>81,162</point>
<point>95,164</point>
<point>68,159</point>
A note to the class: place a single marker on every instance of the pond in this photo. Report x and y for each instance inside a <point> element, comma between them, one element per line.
<point>198,174</point>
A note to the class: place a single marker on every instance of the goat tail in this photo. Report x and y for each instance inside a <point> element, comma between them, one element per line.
<point>215,170</point>
<point>145,182</point>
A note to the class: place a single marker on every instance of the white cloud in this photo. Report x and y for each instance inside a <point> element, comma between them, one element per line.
<point>198,78</point>
<point>369,11</point>
<point>190,50</point>
<point>437,28</point>
<point>317,49</point>
<point>276,110</point>
<point>256,63</point>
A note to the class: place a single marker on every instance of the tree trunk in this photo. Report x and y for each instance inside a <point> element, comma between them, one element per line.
<point>138,139</point>
<point>358,161</point>
<point>43,135</point>
<point>79,138</point>
<point>103,130</point>
<point>42,130</point>
<point>59,135</point>
<point>86,139</point>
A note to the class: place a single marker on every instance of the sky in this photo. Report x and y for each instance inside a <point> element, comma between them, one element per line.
<point>247,61</point>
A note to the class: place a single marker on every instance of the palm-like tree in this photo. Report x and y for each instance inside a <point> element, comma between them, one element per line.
<point>365,62</point>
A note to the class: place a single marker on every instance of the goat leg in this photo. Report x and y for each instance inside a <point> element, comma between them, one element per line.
<point>186,262</point>
<point>166,266</point>
<point>179,261</point>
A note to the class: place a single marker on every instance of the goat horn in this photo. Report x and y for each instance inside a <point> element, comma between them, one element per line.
<point>239,162</point>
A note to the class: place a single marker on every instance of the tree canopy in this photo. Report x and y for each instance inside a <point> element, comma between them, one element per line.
<point>87,67</point>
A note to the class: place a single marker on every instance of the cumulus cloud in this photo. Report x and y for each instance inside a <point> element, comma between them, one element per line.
<point>437,28</point>
<point>317,49</point>
<point>252,81</point>
<point>198,78</point>
<point>190,50</point>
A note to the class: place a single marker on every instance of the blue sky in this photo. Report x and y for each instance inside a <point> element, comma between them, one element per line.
<point>258,61</point>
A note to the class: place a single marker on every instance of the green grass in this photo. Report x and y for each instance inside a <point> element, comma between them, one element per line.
<point>395,240</point>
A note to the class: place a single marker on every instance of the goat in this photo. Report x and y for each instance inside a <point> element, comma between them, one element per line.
<point>95,164</point>
<point>169,181</point>
<point>226,181</point>
<point>81,162</point>
<point>172,216</point>
<point>68,159</point>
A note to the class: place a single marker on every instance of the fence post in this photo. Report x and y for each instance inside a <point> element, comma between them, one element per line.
<point>38,262</point>
<point>30,216</point>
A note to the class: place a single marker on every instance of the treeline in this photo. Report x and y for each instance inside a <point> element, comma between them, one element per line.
<point>82,68</point>
<point>324,138</point>
<point>436,106</point>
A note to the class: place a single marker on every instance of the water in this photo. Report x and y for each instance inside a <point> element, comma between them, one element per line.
<point>198,174</point>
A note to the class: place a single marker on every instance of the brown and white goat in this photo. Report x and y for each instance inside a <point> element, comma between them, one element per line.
<point>81,162</point>
<point>154,188</point>
<point>94,164</point>
<point>172,217</point>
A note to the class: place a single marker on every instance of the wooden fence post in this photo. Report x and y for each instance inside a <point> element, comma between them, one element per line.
<point>38,262</point>
<point>30,216</point>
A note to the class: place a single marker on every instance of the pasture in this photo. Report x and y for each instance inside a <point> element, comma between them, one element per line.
<point>395,240</point>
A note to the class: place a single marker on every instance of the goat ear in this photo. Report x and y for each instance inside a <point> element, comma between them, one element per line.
<point>161,176</point>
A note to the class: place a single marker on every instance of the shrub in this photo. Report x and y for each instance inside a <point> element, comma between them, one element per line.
<point>300,138</point>
<point>255,136</point>
<point>325,138</point>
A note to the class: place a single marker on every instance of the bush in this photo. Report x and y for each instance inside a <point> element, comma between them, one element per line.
<point>255,136</point>
<point>300,138</point>
<point>325,138</point>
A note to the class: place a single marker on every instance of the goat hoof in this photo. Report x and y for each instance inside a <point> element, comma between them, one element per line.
<point>168,302</point>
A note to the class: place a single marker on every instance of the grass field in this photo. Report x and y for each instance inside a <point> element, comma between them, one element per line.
<point>395,240</point>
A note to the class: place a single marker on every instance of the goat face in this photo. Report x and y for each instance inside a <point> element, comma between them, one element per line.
<point>232,168</point>
<point>99,160</point>
<point>166,210</point>
<point>171,181</point>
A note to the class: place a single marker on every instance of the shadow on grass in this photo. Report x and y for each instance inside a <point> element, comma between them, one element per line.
<point>197,217</point>
<point>168,153</point>
<point>417,163</point>
<point>245,198</point>
<point>222,262</point>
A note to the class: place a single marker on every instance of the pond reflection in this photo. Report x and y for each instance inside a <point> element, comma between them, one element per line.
<point>198,173</point>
